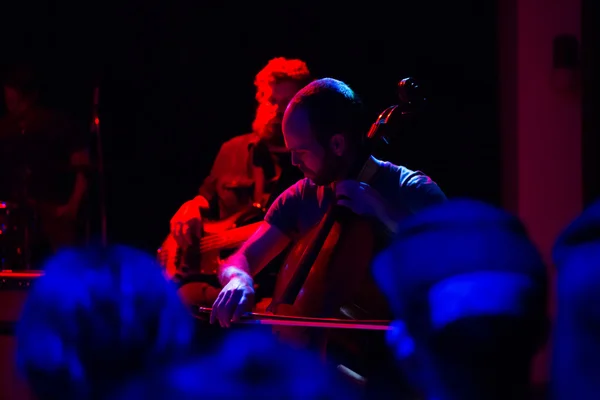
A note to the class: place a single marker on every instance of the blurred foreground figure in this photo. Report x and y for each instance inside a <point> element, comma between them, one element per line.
<point>249,364</point>
<point>469,292</point>
<point>576,339</point>
<point>97,317</point>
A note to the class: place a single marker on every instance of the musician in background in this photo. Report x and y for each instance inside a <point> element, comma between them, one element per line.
<point>248,167</point>
<point>246,171</point>
<point>323,128</point>
<point>43,163</point>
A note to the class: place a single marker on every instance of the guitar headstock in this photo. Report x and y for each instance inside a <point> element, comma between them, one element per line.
<point>394,119</point>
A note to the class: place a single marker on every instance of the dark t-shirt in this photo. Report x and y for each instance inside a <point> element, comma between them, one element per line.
<point>304,204</point>
<point>35,154</point>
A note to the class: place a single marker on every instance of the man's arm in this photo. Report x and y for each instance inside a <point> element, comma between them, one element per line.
<point>235,275</point>
<point>270,239</point>
<point>187,221</point>
<point>262,247</point>
<point>237,295</point>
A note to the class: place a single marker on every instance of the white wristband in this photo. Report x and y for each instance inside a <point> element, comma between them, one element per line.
<point>229,271</point>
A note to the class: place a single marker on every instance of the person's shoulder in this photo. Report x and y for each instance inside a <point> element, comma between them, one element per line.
<point>416,187</point>
<point>299,188</point>
<point>240,141</point>
<point>286,210</point>
<point>405,176</point>
<point>302,191</point>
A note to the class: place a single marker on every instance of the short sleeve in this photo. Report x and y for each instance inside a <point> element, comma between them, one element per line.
<point>284,212</point>
<point>421,191</point>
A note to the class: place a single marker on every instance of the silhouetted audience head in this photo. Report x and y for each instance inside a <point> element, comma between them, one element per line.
<point>96,317</point>
<point>469,291</point>
<point>249,364</point>
<point>576,341</point>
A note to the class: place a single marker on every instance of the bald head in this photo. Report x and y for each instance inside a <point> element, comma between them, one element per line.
<point>322,129</point>
<point>331,107</point>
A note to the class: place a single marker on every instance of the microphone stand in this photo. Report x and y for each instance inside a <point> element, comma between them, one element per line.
<point>95,130</point>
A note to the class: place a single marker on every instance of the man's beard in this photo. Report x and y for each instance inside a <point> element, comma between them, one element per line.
<point>272,133</point>
<point>267,124</point>
<point>331,171</point>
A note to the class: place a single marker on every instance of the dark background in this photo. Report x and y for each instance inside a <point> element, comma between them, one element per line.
<point>177,81</point>
<point>591,100</point>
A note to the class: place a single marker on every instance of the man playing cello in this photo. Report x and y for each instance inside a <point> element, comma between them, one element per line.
<point>323,130</point>
<point>248,169</point>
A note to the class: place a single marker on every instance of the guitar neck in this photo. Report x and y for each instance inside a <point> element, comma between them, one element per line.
<point>228,239</point>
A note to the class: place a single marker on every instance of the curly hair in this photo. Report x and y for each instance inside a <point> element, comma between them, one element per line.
<point>281,69</point>
<point>97,317</point>
<point>266,121</point>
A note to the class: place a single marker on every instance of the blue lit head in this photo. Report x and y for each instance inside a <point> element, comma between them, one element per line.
<point>248,364</point>
<point>251,363</point>
<point>469,289</point>
<point>576,350</point>
<point>454,239</point>
<point>97,316</point>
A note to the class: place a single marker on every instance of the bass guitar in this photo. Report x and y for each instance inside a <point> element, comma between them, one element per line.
<point>203,257</point>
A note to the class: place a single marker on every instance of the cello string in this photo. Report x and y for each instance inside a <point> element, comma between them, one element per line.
<point>307,322</point>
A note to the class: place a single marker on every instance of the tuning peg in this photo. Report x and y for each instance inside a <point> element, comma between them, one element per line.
<point>409,91</point>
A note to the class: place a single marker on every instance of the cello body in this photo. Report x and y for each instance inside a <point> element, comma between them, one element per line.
<point>339,283</point>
